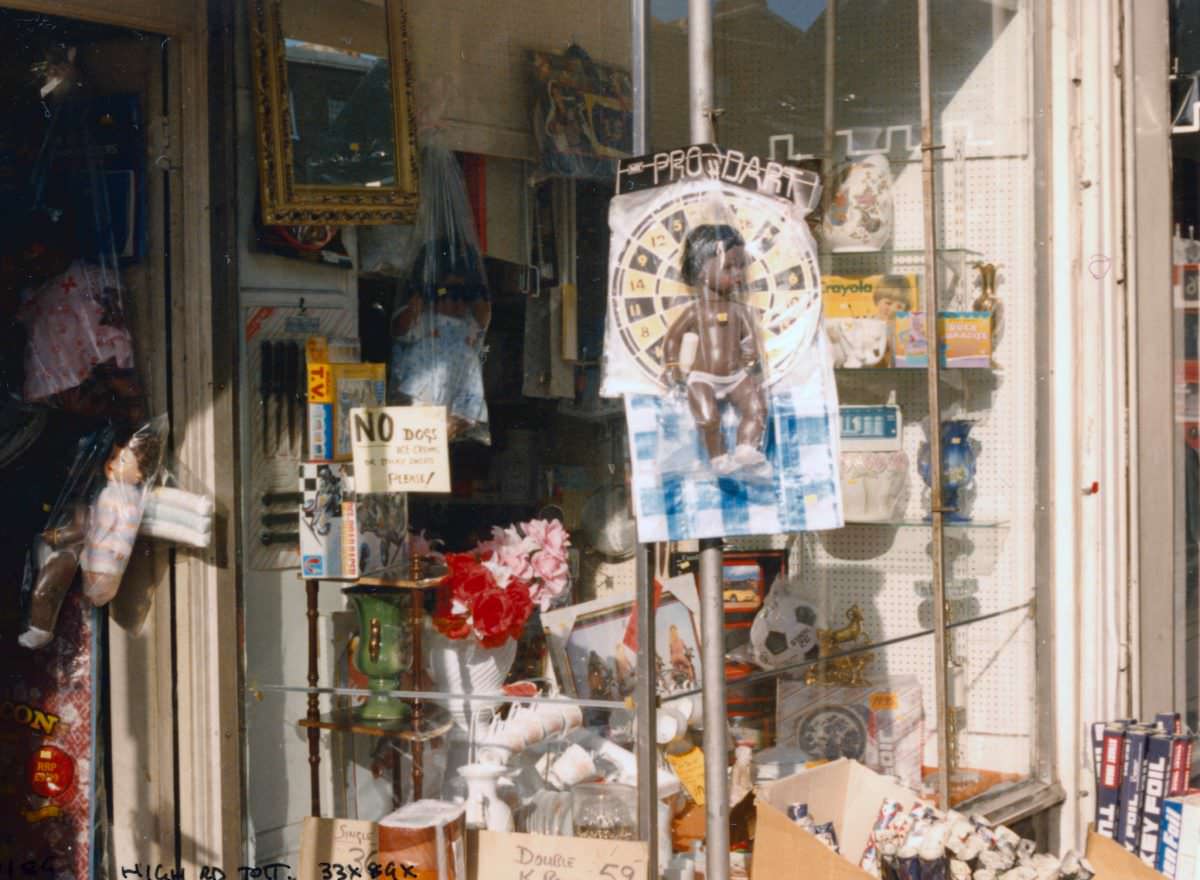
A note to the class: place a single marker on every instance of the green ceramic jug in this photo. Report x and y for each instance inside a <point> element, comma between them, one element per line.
<point>384,648</point>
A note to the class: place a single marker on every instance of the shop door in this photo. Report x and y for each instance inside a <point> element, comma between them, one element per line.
<point>85,166</point>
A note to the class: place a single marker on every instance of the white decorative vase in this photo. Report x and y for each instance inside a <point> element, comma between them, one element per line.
<point>463,666</point>
<point>873,485</point>
<point>485,809</point>
<point>860,216</point>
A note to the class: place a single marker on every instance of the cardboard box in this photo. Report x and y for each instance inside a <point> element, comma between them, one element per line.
<point>882,725</point>
<point>869,296</point>
<point>328,530</point>
<point>965,340</point>
<point>1113,862</point>
<point>843,792</point>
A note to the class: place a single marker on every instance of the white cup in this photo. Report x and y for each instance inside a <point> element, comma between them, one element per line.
<point>573,766</point>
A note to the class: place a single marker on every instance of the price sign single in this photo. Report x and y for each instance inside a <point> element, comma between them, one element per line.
<point>541,857</point>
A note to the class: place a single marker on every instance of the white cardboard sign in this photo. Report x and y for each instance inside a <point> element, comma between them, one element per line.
<point>400,449</point>
<point>542,857</point>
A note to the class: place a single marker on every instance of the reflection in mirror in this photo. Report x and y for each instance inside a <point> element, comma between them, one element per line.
<point>341,109</point>
<point>339,92</point>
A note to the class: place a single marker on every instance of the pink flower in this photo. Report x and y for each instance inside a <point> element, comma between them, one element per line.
<point>552,576</point>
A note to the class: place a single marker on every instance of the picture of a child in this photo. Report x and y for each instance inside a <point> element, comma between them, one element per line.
<point>893,293</point>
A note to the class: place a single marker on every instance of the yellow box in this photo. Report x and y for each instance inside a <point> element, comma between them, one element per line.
<point>869,296</point>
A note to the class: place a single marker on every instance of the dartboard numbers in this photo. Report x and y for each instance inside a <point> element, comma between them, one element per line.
<point>782,283</point>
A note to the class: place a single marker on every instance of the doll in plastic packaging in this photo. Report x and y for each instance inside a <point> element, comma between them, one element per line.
<point>116,512</point>
<point>440,323</point>
<point>711,349</point>
<point>439,331</point>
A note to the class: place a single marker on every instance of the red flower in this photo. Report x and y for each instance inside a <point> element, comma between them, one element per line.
<point>491,617</point>
<point>521,606</point>
<point>459,562</point>
<point>445,621</point>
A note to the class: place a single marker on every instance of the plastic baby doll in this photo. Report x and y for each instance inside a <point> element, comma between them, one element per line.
<point>117,514</point>
<point>726,362</point>
<point>57,551</point>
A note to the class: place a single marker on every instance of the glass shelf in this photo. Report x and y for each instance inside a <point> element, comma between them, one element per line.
<point>904,253</point>
<point>791,669</point>
<point>924,523</point>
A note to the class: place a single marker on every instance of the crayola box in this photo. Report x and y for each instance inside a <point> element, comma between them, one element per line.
<point>333,390</point>
<point>965,339</point>
<point>869,296</point>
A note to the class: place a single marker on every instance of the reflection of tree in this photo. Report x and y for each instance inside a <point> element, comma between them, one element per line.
<point>386,517</point>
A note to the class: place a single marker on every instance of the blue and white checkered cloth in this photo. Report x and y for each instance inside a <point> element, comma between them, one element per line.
<point>677,496</point>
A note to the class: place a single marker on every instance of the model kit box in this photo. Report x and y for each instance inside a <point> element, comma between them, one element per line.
<point>881,725</point>
<point>843,792</point>
<point>381,522</point>
<point>328,530</point>
<point>333,390</point>
<point>965,340</point>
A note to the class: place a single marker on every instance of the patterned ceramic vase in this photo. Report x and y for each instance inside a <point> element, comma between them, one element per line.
<point>860,216</point>
<point>958,466</point>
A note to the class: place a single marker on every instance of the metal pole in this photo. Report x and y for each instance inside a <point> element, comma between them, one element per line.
<point>646,690</point>
<point>700,72</point>
<point>830,99</point>
<point>639,23</point>
<point>940,608</point>
<point>712,607</point>
<point>646,696</point>
<point>716,745</point>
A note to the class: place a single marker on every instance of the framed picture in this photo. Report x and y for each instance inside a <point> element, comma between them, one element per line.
<point>746,576</point>
<point>593,651</point>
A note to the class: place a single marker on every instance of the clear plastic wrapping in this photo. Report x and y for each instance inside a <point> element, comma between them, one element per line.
<point>714,339</point>
<point>442,316</point>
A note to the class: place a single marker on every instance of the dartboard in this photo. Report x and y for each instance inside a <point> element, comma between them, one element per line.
<point>782,278</point>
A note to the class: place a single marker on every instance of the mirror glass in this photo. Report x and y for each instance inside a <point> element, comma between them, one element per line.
<point>342,123</point>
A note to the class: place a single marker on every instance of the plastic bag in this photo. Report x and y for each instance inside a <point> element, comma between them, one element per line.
<point>79,352</point>
<point>442,316</point>
<point>714,339</point>
<point>116,512</point>
<point>54,558</point>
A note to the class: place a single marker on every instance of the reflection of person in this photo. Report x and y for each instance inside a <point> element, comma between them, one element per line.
<point>439,330</point>
<point>892,295</point>
<point>726,362</point>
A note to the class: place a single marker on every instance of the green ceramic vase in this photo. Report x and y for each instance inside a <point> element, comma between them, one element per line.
<point>384,648</point>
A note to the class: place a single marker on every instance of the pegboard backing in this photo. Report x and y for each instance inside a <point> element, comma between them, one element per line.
<point>985,184</point>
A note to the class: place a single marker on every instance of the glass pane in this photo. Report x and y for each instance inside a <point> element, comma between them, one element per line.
<point>835,87</point>
<point>389,700</point>
<point>1185,293</point>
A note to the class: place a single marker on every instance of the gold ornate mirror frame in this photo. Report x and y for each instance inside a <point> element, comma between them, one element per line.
<point>284,201</point>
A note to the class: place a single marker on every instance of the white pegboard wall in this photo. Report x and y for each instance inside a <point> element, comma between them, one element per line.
<point>986,205</point>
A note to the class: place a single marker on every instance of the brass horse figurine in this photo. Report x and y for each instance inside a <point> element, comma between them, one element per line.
<point>843,671</point>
